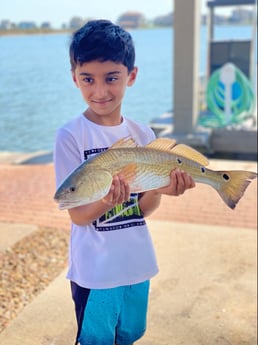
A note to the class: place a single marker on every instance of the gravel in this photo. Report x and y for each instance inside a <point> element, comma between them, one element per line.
<point>28,267</point>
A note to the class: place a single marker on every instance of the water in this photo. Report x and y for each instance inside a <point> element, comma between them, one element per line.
<point>37,94</point>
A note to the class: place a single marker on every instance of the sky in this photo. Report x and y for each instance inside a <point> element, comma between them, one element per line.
<point>58,12</point>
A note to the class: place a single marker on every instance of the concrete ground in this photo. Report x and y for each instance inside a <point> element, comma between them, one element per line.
<point>205,293</point>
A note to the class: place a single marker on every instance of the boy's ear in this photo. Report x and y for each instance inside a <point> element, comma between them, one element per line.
<point>132,76</point>
<point>74,78</point>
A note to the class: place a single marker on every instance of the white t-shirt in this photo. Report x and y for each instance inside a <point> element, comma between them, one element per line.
<point>112,251</point>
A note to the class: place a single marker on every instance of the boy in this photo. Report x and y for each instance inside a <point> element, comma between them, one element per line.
<point>111,257</point>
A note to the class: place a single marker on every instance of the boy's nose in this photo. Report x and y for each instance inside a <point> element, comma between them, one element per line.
<point>100,90</point>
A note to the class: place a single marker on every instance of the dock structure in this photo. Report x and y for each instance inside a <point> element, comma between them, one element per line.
<point>186,90</point>
<point>186,65</point>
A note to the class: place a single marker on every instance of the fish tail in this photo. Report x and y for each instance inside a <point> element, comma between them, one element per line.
<point>233,186</point>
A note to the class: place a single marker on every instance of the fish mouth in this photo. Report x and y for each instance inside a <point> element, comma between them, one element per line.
<point>65,205</point>
<point>61,195</point>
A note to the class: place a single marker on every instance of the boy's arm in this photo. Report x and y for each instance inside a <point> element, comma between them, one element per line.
<point>86,214</point>
<point>179,182</point>
<point>120,192</point>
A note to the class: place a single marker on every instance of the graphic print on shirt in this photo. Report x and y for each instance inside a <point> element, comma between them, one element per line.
<point>122,216</point>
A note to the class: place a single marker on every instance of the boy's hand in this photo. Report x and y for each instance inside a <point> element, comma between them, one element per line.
<point>118,193</point>
<point>180,181</point>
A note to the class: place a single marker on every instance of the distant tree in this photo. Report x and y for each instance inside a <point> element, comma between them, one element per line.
<point>165,20</point>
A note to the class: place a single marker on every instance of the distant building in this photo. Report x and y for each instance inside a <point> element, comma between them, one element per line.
<point>76,22</point>
<point>219,19</point>
<point>27,25</point>
<point>5,25</point>
<point>46,25</point>
<point>241,15</point>
<point>131,20</point>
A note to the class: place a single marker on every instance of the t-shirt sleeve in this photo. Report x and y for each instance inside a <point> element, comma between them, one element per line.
<point>147,135</point>
<point>66,155</point>
<point>151,134</point>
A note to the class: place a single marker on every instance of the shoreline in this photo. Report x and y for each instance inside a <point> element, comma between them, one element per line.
<point>46,157</point>
<point>21,158</point>
<point>51,31</point>
<point>34,32</point>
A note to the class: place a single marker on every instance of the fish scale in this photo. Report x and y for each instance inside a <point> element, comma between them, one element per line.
<point>147,176</point>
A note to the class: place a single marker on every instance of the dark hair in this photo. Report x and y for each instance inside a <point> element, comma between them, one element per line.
<point>104,41</point>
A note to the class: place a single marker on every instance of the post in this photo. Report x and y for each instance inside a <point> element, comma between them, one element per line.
<point>210,29</point>
<point>186,65</point>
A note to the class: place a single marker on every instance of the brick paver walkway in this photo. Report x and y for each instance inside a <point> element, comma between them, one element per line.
<point>26,196</point>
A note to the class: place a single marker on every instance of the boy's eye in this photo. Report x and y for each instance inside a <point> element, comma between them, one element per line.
<point>111,79</point>
<point>88,80</point>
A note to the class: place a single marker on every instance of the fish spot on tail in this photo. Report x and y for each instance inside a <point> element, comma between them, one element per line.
<point>234,185</point>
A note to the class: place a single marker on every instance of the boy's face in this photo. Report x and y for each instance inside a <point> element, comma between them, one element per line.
<point>103,85</point>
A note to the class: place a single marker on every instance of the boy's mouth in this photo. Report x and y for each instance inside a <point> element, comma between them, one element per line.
<point>102,101</point>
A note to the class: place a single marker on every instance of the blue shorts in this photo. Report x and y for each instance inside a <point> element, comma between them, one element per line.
<point>110,316</point>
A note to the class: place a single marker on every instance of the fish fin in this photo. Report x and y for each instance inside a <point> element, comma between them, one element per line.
<point>163,144</point>
<point>234,185</point>
<point>129,172</point>
<point>166,144</point>
<point>124,142</point>
<point>190,153</point>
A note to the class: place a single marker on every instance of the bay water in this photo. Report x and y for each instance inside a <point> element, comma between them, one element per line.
<point>37,94</point>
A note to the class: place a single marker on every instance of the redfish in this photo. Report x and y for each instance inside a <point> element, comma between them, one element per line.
<point>147,168</point>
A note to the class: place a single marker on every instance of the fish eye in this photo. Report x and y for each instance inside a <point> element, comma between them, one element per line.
<point>72,189</point>
<point>226,177</point>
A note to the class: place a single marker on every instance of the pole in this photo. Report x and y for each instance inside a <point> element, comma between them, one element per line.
<point>186,65</point>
